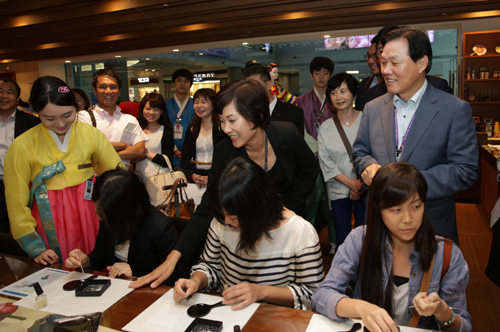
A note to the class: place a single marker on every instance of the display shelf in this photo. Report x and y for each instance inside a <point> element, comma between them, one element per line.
<point>495,55</point>
<point>483,80</point>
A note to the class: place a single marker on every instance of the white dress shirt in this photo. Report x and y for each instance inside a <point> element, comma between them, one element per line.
<point>6,138</point>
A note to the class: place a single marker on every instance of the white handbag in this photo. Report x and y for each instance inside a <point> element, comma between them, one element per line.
<point>155,183</point>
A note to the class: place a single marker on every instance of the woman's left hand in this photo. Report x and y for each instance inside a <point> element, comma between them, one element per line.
<point>246,293</point>
<point>201,181</point>
<point>120,269</point>
<point>428,305</point>
<point>49,256</point>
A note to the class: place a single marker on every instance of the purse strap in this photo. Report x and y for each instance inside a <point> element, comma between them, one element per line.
<point>169,164</point>
<point>170,196</point>
<point>343,136</point>
<point>424,287</point>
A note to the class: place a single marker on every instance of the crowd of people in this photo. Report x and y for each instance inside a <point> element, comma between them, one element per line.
<point>391,151</point>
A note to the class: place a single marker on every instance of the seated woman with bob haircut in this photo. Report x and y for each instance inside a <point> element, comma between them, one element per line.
<point>134,237</point>
<point>255,246</point>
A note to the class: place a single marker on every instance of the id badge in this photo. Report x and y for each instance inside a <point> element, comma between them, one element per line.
<point>316,124</point>
<point>129,128</point>
<point>89,188</point>
<point>178,131</point>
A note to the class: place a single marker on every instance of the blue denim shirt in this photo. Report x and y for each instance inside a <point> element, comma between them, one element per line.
<point>344,269</point>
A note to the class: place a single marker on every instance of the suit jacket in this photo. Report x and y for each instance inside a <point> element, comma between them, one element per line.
<point>24,121</point>
<point>290,113</point>
<point>381,89</point>
<point>149,247</point>
<point>167,146</point>
<point>298,164</point>
<point>441,143</point>
<point>189,149</point>
<point>364,86</point>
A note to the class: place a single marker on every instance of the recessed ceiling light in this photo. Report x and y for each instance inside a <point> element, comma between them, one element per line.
<point>176,50</point>
<point>200,53</point>
<point>146,69</point>
<point>326,36</point>
<point>154,69</point>
<point>165,5</point>
<point>147,58</point>
<point>68,61</point>
<point>245,43</point>
<point>118,56</point>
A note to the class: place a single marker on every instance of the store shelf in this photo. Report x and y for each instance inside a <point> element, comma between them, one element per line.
<point>483,80</point>
<point>482,56</point>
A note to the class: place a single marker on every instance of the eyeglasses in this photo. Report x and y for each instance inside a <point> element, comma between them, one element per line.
<point>374,56</point>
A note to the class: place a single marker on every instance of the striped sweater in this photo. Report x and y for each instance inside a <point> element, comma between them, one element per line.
<point>291,258</point>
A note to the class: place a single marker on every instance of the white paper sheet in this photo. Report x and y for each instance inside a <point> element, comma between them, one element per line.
<point>23,287</point>
<point>195,193</point>
<point>67,303</point>
<point>167,315</point>
<point>325,324</point>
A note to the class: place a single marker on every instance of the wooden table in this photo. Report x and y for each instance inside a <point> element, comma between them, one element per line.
<point>267,317</point>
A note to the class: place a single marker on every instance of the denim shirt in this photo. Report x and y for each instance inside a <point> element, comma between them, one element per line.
<point>344,269</point>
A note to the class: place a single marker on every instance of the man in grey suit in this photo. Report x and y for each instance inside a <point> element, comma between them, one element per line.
<point>419,124</point>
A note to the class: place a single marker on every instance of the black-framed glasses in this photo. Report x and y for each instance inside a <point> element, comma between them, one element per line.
<point>374,56</point>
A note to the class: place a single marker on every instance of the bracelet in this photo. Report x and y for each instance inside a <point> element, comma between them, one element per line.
<point>447,324</point>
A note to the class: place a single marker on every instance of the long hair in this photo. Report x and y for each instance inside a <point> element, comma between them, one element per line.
<point>156,100</point>
<point>122,202</point>
<point>208,95</point>
<point>84,96</point>
<point>51,89</point>
<point>394,184</point>
<point>240,187</point>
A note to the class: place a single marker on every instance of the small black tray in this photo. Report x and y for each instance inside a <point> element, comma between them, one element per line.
<point>102,285</point>
<point>209,325</point>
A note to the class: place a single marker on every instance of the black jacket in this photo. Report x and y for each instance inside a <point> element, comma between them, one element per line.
<point>289,113</point>
<point>167,146</point>
<point>24,121</point>
<point>298,164</point>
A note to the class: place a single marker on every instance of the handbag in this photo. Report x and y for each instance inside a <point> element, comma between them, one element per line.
<point>155,184</point>
<point>185,205</point>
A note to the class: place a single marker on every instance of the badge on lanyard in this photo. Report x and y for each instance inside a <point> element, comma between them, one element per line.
<point>178,131</point>
<point>316,124</point>
<point>89,188</point>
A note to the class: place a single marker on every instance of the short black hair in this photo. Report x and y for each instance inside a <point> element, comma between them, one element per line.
<point>156,100</point>
<point>107,72</point>
<point>337,80</point>
<point>419,44</point>
<point>384,31</point>
<point>321,62</point>
<point>84,96</point>
<point>51,89</point>
<point>263,73</point>
<point>251,63</point>
<point>9,80</point>
<point>242,188</point>
<point>183,72</point>
<point>122,202</point>
<point>249,98</point>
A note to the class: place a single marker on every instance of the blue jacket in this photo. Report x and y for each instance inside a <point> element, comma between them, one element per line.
<point>344,269</point>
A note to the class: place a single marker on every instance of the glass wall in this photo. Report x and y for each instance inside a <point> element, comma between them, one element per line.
<point>216,67</point>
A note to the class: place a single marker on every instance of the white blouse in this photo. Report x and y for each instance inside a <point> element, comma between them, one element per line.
<point>146,168</point>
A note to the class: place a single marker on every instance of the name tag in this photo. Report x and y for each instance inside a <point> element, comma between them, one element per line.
<point>129,128</point>
<point>177,131</point>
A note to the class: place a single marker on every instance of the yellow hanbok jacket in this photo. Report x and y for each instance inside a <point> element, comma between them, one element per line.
<point>88,150</point>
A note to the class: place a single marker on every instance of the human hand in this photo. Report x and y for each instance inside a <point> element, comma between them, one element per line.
<point>354,196</point>
<point>49,256</point>
<point>160,274</point>
<point>369,173</point>
<point>120,269</point>
<point>246,293</point>
<point>183,288</point>
<point>376,319</point>
<point>201,181</point>
<point>178,153</point>
<point>428,305</point>
<point>357,187</point>
<point>76,259</point>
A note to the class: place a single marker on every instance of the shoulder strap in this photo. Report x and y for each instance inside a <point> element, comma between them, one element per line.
<point>92,117</point>
<point>448,245</point>
<point>343,136</point>
<point>424,287</point>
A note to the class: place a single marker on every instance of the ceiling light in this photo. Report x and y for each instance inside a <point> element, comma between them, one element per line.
<point>245,43</point>
<point>118,56</point>
<point>326,36</point>
<point>146,69</point>
<point>147,58</point>
<point>154,69</point>
<point>165,5</point>
<point>67,61</point>
<point>200,53</point>
<point>176,50</point>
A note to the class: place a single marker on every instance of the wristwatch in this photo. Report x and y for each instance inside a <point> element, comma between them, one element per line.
<point>447,324</point>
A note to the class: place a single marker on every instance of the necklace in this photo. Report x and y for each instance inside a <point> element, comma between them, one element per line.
<point>347,121</point>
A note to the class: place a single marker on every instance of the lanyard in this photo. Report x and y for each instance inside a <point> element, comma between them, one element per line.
<point>320,115</point>
<point>265,157</point>
<point>179,115</point>
<point>400,149</point>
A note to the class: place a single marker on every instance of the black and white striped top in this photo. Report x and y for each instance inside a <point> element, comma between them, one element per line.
<point>292,258</point>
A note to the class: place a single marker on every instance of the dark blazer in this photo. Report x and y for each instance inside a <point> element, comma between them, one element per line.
<point>441,143</point>
<point>289,113</point>
<point>298,164</point>
<point>381,89</point>
<point>189,149</point>
<point>167,146</point>
<point>149,247</point>
<point>24,121</point>
<point>364,86</point>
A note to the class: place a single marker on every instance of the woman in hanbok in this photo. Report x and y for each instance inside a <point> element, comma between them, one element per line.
<point>49,175</point>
